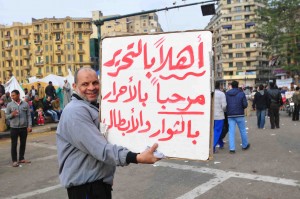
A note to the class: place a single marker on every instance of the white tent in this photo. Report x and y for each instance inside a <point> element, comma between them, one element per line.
<point>13,84</point>
<point>56,80</point>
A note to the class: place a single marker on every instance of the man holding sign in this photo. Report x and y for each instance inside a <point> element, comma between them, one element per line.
<point>87,162</point>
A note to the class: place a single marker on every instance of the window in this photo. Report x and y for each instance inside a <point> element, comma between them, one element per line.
<point>21,63</point>
<point>17,73</point>
<point>228,1</point>
<point>230,46</point>
<point>80,35</point>
<point>229,37</point>
<point>239,55</point>
<point>239,64</point>
<point>80,58</point>
<point>20,42</point>
<point>69,57</point>
<point>46,48</point>
<point>239,45</point>
<point>47,59</point>
<point>17,63</point>
<point>248,63</point>
<point>16,42</point>
<point>238,36</point>
<point>247,45</point>
<point>230,64</point>
<point>68,24</point>
<point>238,9</point>
<point>80,46</point>
<point>40,70</point>
<point>20,52</point>
<point>248,54</point>
<point>230,55</point>
<point>68,35</point>
<point>239,17</point>
<point>47,69</point>
<point>46,37</point>
<point>247,8</point>
<point>59,69</point>
<point>247,35</point>
<point>16,52</point>
<point>58,58</point>
<point>46,26</point>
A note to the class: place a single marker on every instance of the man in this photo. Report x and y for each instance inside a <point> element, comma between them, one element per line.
<point>33,92</point>
<point>56,107</point>
<point>40,92</point>
<point>260,103</point>
<point>50,91</point>
<point>236,103</point>
<point>296,100</point>
<point>66,92</point>
<point>275,101</point>
<point>18,112</point>
<point>87,162</point>
<point>219,109</point>
<point>6,98</point>
<point>2,89</point>
<point>49,109</point>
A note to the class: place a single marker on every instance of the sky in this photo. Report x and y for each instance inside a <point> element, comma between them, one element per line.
<point>186,18</point>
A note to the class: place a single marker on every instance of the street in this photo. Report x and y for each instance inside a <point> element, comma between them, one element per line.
<point>270,169</point>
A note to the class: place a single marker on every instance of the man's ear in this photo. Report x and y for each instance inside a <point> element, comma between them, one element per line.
<point>74,86</point>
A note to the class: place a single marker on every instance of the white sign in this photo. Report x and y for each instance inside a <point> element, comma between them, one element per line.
<point>156,89</point>
<point>284,82</point>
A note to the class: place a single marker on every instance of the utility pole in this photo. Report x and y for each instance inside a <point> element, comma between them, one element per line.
<point>209,10</point>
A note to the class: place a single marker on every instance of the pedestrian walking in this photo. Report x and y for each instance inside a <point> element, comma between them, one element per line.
<point>260,104</point>
<point>236,104</point>
<point>67,92</point>
<point>219,109</point>
<point>296,100</point>
<point>18,112</point>
<point>87,162</point>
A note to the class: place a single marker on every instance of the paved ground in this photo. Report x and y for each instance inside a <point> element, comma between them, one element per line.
<point>270,170</point>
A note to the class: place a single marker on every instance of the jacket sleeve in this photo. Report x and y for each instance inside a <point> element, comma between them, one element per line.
<point>224,103</point>
<point>254,101</point>
<point>8,114</point>
<point>83,134</point>
<point>245,103</point>
<point>29,116</point>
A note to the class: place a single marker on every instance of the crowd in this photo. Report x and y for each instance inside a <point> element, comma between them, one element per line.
<point>231,107</point>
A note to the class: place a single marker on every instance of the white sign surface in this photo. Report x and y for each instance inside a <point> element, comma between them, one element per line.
<point>156,89</point>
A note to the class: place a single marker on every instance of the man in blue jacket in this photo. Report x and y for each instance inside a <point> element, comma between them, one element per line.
<point>236,103</point>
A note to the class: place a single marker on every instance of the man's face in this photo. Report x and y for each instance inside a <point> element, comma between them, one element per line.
<point>15,97</point>
<point>88,85</point>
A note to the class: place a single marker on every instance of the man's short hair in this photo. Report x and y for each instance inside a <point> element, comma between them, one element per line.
<point>297,88</point>
<point>235,84</point>
<point>77,71</point>
<point>261,87</point>
<point>217,85</point>
<point>272,85</point>
<point>16,92</point>
<point>50,82</point>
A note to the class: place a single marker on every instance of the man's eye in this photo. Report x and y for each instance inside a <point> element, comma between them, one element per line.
<point>84,84</point>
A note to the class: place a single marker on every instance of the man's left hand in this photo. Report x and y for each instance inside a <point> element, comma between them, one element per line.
<point>29,129</point>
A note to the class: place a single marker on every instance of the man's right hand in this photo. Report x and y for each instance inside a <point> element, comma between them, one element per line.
<point>15,113</point>
<point>147,156</point>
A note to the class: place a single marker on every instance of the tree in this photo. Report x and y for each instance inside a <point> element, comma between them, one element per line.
<point>279,25</point>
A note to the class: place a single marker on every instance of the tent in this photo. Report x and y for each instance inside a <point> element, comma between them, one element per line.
<point>13,84</point>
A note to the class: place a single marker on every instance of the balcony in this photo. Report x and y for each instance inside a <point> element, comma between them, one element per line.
<point>229,69</point>
<point>9,68</point>
<point>8,48</point>
<point>39,64</point>
<point>26,36</point>
<point>58,41</point>
<point>36,31</point>
<point>58,63</point>
<point>88,30</point>
<point>60,73</point>
<point>7,37</point>
<point>39,75</point>
<point>81,51</point>
<point>37,42</point>
<point>26,46</point>
<point>80,41</point>
<point>26,57</point>
<point>8,58</point>
<point>57,29</point>
<point>58,51</point>
<point>38,52</point>
<point>27,67</point>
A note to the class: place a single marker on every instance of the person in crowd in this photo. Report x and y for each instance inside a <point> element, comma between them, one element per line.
<point>26,91</point>
<point>6,98</point>
<point>275,101</point>
<point>236,103</point>
<point>296,100</point>
<point>37,103</point>
<point>50,91</point>
<point>33,92</point>
<point>219,109</point>
<point>18,112</point>
<point>66,92</point>
<point>40,92</point>
<point>260,104</point>
<point>29,102</point>
<point>2,89</point>
<point>40,117</point>
<point>49,109</point>
<point>2,105</point>
<point>84,171</point>
<point>56,107</point>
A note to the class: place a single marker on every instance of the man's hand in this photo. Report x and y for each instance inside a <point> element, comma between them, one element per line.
<point>15,113</point>
<point>147,156</point>
<point>29,129</point>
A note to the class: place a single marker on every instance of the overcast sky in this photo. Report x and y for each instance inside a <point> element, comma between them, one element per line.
<point>186,18</point>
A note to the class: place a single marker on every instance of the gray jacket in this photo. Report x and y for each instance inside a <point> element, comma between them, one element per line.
<point>84,155</point>
<point>23,119</point>
<point>219,105</point>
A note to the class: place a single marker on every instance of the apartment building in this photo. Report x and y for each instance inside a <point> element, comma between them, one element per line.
<point>238,49</point>
<point>46,46</point>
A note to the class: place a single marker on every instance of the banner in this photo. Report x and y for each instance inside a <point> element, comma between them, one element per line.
<point>157,89</point>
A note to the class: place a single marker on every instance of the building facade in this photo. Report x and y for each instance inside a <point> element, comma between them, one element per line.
<point>238,49</point>
<point>46,46</point>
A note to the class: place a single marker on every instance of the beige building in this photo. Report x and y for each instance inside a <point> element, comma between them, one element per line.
<point>46,46</point>
<point>238,49</point>
<point>145,23</point>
